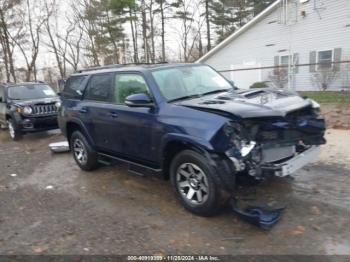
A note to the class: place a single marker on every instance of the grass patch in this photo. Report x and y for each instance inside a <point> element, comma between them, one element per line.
<point>329,97</point>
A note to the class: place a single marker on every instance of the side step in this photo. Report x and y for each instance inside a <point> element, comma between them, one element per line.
<point>133,167</point>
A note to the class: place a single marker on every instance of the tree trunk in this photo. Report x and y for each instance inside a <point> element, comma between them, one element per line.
<point>136,39</point>
<point>152,32</point>
<point>144,31</point>
<point>133,36</point>
<point>163,30</point>
<point>208,24</point>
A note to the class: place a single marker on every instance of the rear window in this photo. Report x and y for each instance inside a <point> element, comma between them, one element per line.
<point>74,87</point>
<point>100,88</point>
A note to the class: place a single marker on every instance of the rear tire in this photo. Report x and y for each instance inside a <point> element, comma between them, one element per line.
<point>84,155</point>
<point>14,132</point>
<point>196,184</point>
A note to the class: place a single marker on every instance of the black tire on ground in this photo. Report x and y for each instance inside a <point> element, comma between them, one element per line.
<point>84,155</point>
<point>14,132</point>
<point>189,167</point>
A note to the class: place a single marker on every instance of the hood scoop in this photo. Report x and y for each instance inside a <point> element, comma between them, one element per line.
<point>212,102</point>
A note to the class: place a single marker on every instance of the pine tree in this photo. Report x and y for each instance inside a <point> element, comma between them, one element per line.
<point>257,6</point>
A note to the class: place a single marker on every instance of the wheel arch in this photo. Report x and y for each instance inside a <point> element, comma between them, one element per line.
<point>174,145</point>
<point>77,125</point>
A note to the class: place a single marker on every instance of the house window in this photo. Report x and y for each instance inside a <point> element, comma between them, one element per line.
<point>325,59</point>
<point>284,60</point>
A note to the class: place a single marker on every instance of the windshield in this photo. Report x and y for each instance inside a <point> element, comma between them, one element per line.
<point>189,81</point>
<point>33,91</point>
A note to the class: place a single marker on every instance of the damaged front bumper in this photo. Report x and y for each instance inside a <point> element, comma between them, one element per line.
<point>292,165</point>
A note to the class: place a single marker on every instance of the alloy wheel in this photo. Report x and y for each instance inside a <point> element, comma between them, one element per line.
<point>80,151</point>
<point>192,184</point>
<point>11,129</point>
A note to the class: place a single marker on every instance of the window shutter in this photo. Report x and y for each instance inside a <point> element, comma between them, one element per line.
<point>313,61</point>
<point>337,58</point>
<point>276,64</point>
<point>296,62</point>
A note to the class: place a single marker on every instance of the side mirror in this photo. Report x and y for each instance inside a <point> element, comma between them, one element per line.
<point>139,100</point>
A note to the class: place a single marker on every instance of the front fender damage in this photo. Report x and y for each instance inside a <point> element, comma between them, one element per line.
<point>270,145</point>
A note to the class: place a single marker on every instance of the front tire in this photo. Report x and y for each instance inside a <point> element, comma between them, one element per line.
<point>195,184</point>
<point>84,155</point>
<point>14,132</point>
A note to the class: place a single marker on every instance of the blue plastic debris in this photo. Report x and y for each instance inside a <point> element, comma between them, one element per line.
<point>265,218</point>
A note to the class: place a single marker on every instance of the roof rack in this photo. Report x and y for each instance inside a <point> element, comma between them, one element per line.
<point>116,66</point>
<point>99,67</point>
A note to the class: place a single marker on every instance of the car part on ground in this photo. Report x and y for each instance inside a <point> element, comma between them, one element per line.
<point>59,147</point>
<point>263,217</point>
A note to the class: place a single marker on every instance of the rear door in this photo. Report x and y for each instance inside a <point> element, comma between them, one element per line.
<point>97,110</point>
<point>2,106</point>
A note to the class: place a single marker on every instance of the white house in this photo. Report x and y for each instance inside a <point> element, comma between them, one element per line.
<point>300,44</point>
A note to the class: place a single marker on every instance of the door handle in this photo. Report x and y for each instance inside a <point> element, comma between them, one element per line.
<point>83,110</point>
<point>113,114</point>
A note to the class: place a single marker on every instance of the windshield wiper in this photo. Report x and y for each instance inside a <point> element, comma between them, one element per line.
<point>216,91</point>
<point>185,98</point>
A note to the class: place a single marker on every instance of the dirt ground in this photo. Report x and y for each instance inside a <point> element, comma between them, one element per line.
<point>337,116</point>
<point>49,206</point>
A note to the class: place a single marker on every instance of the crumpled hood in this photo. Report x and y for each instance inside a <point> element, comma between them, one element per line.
<point>250,103</point>
<point>41,101</point>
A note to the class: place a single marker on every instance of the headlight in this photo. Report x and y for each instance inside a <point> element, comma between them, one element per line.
<point>58,104</point>
<point>237,139</point>
<point>27,110</point>
<point>316,106</point>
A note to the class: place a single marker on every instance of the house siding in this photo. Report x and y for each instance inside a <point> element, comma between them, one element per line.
<point>325,28</point>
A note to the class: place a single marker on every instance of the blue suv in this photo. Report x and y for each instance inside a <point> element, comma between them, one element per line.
<point>189,124</point>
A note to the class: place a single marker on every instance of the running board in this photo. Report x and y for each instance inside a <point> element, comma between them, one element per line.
<point>133,167</point>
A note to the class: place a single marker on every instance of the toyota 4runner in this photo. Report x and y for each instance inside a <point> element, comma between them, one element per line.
<point>189,124</point>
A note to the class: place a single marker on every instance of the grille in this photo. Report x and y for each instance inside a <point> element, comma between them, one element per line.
<point>274,154</point>
<point>44,109</point>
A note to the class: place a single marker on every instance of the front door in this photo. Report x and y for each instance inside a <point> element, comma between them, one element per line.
<point>133,130</point>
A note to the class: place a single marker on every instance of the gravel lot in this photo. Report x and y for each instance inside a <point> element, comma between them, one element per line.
<point>49,206</point>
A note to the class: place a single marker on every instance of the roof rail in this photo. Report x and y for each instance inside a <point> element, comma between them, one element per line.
<point>99,67</point>
<point>115,66</point>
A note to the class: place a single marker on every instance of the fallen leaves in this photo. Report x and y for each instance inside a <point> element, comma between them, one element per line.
<point>315,210</point>
<point>299,230</point>
<point>38,249</point>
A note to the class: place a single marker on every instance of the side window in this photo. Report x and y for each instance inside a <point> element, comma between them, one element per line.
<point>100,88</point>
<point>74,87</point>
<point>128,84</point>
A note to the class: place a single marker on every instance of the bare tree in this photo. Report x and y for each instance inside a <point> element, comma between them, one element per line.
<point>74,44</point>
<point>9,21</point>
<point>58,44</point>
<point>86,16</point>
<point>324,77</point>
<point>34,19</point>
<point>188,12</point>
<point>279,77</point>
